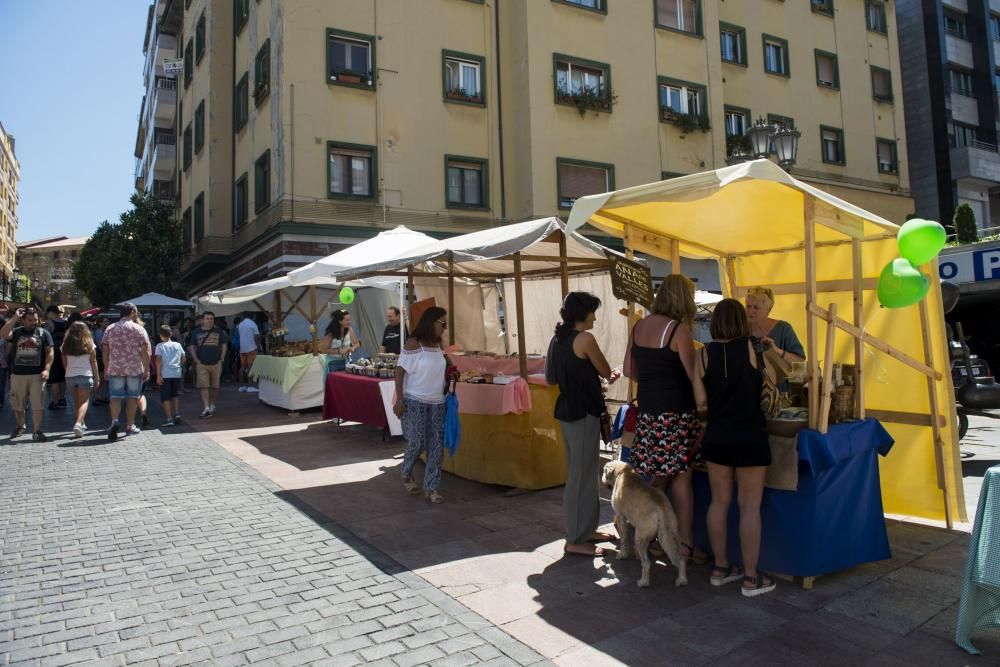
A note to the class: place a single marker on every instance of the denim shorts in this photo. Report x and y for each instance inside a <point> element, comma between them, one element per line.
<point>121,386</point>
<point>79,382</point>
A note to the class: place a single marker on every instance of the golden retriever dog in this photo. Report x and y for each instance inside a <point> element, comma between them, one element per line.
<point>642,513</point>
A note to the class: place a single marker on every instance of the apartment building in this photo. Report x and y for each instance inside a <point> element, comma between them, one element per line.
<point>951,73</point>
<point>46,268</point>
<point>10,175</point>
<point>314,123</point>
<point>156,138</point>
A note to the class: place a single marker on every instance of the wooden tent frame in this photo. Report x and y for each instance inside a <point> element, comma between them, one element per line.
<point>568,266</point>
<point>642,239</point>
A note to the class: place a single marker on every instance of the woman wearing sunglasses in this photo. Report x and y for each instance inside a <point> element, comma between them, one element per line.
<point>421,385</point>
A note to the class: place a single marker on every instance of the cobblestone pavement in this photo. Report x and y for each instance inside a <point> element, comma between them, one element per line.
<point>163,549</point>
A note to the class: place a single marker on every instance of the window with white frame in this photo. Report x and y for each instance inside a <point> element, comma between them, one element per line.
<point>954,24</point>
<point>573,79</point>
<point>465,183</point>
<point>736,122</point>
<point>678,14</point>
<point>733,41</point>
<point>961,82</point>
<point>886,156</point>
<point>589,4</point>
<point>677,97</point>
<point>463,77</point>
<point>833,145</point>
<point>350,171</point>
<point>775,56</point>
<point>349,60</point>
<point>875,13</point>
<point>960,136</point>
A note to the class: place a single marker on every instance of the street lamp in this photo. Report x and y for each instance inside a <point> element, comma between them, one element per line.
<point>762,137</point>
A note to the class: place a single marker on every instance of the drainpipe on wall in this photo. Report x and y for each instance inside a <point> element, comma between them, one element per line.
<point>503,189</point>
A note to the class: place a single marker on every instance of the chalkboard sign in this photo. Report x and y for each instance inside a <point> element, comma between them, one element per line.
<point>631,281</point>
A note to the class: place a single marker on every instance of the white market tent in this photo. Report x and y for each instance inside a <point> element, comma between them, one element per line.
<point>820,255</point>
<point>471,273</point>
<point>157,300</point>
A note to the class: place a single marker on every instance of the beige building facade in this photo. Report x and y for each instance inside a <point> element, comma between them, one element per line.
<point>46,269</point>
<point>10,176</point>
<point>326,121</point>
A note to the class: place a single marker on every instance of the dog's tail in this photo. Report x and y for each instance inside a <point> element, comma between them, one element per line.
<point>667,534</point>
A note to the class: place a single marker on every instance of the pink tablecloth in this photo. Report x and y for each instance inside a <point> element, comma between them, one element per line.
<point>493,399</point>
<point>504,365</point>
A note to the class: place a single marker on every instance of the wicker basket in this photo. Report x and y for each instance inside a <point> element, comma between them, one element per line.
<point>842,405</point>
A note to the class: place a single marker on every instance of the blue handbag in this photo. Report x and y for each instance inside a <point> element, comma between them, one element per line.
<point>452,426</point>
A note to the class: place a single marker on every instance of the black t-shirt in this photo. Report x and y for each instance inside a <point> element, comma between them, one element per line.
<point>30,350</point>
<point>208,345</point>
<point>390,338</point>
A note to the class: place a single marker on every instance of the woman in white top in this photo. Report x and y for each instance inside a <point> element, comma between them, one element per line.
<point>340,340</point>
<point>79,357</point>
<point>421,384</point>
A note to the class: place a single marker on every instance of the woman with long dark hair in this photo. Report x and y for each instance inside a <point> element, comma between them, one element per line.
<point>576,364</point>
<point>421,384</point>
<point>339,341</point>
<point>735,444</point>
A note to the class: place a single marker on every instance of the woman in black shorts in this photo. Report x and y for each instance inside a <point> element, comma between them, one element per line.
<point>735,444</point>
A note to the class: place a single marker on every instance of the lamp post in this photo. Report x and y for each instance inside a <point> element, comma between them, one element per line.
<point>762,137</point>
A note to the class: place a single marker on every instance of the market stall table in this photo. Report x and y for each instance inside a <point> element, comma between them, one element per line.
<point>979,607</point>
<point>292,383</point>
<point>834,520</point>
<point>355,398</point>
<point>496,365</point>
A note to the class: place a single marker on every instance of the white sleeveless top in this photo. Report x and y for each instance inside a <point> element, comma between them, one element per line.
<point>424,379</point>
<point>77,365</point>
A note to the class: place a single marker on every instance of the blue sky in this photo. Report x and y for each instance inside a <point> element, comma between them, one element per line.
<point>70,90</point>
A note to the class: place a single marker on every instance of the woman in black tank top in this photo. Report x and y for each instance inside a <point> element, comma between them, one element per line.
<point>661,359</point>
<point>735,444</point>
<point>576,364</point>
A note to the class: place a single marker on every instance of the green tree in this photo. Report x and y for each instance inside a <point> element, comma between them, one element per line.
<point>142,253</point>
<point>965,224</point>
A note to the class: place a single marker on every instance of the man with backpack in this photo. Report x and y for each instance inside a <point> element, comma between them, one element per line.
<point>207,350</point>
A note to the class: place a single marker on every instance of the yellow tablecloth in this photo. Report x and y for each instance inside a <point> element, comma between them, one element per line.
<point>285,371</point>
<point>524,451</point>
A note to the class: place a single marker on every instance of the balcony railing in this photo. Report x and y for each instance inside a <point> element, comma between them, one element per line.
<point>163,189</point>
<point>164,136</point>
<point>983,146</point>
<point>163,83</point>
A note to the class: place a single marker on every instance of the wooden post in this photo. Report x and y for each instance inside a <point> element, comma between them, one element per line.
<point>630,319</point>
<point>730,281</point>
<point>831,334</point>
<point>675,257</point>
<point>932,394</point>
<point>277,310</point>
<point>522,352</point>
<point>451,300</point>
<point>812,343</point>
<point>859,322</point>
<point>312,318</point>
<point>411,297</point>
<point>563,267</point>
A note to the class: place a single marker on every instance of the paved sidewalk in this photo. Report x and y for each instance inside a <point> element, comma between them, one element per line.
<point>163,549</point>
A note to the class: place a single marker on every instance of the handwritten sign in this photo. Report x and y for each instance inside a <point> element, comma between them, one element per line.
<point>631,281</point>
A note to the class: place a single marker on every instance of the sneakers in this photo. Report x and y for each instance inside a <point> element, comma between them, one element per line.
<point>38,436</point>
<point>113,431</point>
<point>242,388</point>
<point>211,409</point>
<point>177,420</point>
<point>18,430</point>
<point>207,412</point>
<point>145,419</point>
<point>133,430</point>
<point>168,423</point>
<point>77,430</point>
<point>252,390</point>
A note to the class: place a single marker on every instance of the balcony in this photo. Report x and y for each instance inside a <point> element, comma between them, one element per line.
<point>164,99</point>
<point>164,160</point>
<point>964,108</point>
<point>978,161</point>
<point>163,189</point>
<point>958,5</point>
<point>958,51</point>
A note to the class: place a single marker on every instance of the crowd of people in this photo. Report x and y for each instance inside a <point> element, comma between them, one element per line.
<point>108,360</point>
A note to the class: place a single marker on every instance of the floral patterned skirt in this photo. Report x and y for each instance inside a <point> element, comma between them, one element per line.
<point>667,444</point>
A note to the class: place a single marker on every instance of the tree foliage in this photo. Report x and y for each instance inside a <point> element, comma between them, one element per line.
<point>141,253</point>
<point>965,224</point>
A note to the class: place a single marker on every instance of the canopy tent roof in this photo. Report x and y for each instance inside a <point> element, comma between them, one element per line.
<point>387,244</point>
<point>739,210</point>
<point>489,254</point>
<point>157,300</point>
<point>821,256</point>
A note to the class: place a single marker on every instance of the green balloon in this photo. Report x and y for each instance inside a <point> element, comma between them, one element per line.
<point>920,241</point>
<point>346,296</point>
<point>901,284</point>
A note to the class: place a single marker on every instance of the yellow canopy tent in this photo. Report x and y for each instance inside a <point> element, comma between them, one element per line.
<point>821,255</point>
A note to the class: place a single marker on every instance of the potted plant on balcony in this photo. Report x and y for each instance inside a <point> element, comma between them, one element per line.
<point>686,122</point>
<point>348,76</point>
<point>589,99</point>
<point>461,95</point>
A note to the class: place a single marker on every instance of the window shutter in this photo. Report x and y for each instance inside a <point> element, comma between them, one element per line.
<point>577,181</point>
